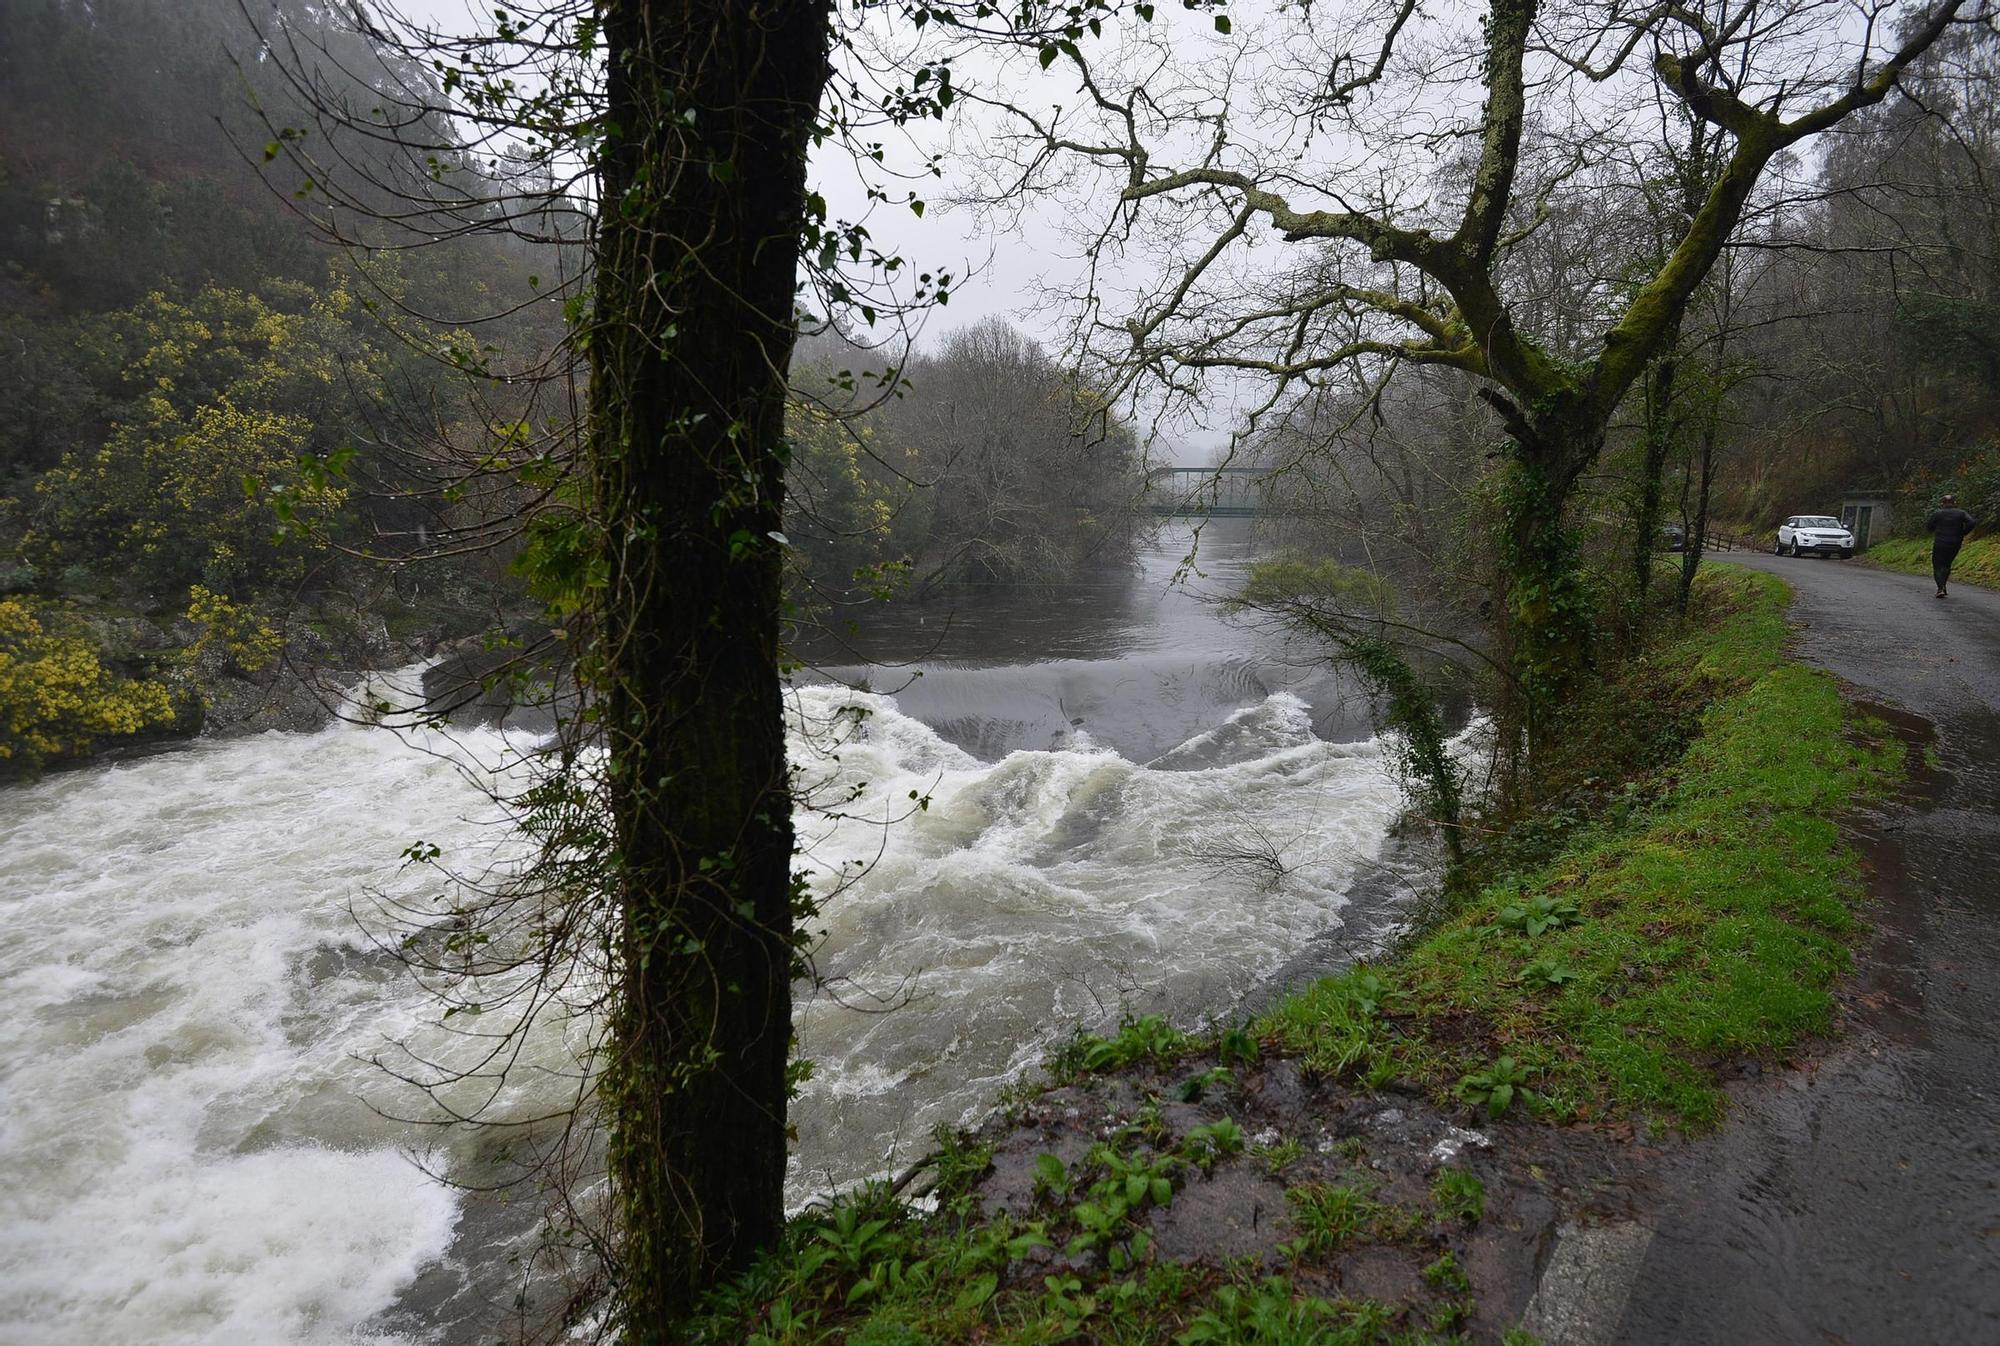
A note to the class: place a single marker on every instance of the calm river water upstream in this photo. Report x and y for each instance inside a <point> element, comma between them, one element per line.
<point>1135,806</point>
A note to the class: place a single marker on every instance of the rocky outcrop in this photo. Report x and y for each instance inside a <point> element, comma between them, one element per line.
<point>508,679</point>
<point>327,651</point>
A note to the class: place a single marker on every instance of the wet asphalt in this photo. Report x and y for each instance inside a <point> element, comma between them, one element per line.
<point>1857,1201</point>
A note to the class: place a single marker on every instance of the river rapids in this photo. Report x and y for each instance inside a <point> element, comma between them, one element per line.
<point>199,1148</point>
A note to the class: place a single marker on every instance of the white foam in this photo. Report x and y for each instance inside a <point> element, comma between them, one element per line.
<point>1048,887</point>
<point>183,995</point>
<point>188,1158</point>
<point>297,1244</point>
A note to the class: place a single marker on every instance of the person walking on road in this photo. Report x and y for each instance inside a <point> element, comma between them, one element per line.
<point>1948,526</point>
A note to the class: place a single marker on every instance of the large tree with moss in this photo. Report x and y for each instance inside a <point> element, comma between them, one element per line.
<point>709,109</point>
<point>674,139</point>
<point>1344,190</point>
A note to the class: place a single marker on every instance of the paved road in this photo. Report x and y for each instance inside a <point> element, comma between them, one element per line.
<point>1859,1203</point>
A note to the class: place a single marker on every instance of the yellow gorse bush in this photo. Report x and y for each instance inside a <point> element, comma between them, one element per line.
<point>227,394</point>
<point>178,495</point>
<point>56,698</point>
<point>231,630</point>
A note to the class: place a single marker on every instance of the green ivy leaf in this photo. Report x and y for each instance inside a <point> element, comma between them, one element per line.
<point>977,1291</point>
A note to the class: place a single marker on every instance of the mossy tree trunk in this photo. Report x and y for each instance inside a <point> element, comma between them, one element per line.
<point>711,105</point>
<point>1697,528</point>
<point>1549,619</point>
<point>1657,444</point>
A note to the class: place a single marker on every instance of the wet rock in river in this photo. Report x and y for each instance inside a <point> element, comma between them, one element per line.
<point>507,681</point>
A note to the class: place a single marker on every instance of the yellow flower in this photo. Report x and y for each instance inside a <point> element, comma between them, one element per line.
<point>56,699</point>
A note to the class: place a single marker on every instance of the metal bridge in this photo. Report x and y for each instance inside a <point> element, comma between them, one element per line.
<point>1215,492</point>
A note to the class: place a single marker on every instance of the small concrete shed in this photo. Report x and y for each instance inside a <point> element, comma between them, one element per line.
<point>1869,515</point>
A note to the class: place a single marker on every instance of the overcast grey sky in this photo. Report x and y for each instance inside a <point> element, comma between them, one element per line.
<point>1003,271</point>
<point>1013,256</point>
<point>1005,266</point>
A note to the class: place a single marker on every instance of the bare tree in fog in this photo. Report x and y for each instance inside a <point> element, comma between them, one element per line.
<point>1403,161</point>
<point>989,462</point>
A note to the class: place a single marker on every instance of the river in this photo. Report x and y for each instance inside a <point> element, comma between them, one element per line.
<point>1133,806</point>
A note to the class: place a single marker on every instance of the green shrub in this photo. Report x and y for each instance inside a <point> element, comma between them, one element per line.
<point>214,403</point>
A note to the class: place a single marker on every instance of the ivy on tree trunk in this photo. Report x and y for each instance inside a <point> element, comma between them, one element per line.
<point>710,108</point>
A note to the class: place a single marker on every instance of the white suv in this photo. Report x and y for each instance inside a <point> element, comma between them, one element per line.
<point>1814,534</point>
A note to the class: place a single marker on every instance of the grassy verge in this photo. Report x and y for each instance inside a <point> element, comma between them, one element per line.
<point>1658,941</point>
<point>1684,903</point>
<point>1978,560</point>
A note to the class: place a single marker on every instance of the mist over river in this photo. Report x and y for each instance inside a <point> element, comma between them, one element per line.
<point>1133,806</point>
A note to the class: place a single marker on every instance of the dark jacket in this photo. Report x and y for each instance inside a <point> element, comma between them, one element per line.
<point>1950,525</point>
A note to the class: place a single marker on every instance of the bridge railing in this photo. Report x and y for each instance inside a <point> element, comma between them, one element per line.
<point>1217,492</point>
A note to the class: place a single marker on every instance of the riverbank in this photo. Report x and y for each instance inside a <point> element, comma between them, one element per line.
<point>90,677</point>
<point>1389,1154</point>
<point>1978,560</point>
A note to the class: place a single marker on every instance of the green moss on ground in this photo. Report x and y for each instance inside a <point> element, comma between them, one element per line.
<point>1978,560</point>
<point>1682,901</point>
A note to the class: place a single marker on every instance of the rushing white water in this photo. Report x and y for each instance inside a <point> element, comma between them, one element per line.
<point>186,1004</point>
<point>183,995</point>
<point>1051,888</point>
